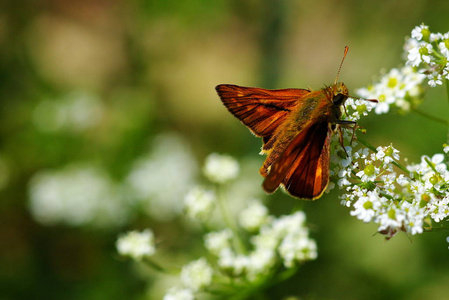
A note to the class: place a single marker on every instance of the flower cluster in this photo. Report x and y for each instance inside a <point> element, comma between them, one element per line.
<point>136,245</point>
<point>430,53</point>
<point>277,246</point>
<point>278,240</point>
<point>243,255</point>
<point>377,193</point>
<point>400,88</point>
<point>83,194</point>
<point>77,195</point>
<point>376,186</point>
<point>261,246</point>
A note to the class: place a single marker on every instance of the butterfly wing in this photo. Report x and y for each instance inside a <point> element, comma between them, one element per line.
<point>261,110</point>
<point>303,167</point>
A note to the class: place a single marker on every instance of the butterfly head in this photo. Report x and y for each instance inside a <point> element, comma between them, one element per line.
<point>339,93</point>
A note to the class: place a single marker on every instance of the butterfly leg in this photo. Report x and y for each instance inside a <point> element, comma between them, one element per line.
<point>346,123</point>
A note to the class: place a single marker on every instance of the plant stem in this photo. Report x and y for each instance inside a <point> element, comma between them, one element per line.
<point>446,81</point>
<point>228,220</point>
<point>151,263</point>
<point>427,115</point>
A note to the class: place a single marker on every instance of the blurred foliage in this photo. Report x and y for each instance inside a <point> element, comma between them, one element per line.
<point>150,67</point>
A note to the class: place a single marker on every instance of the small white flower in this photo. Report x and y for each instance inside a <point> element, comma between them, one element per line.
<point>260,262</point>
<point>417,32</point>
<point>136,245</point>
<point>177,293</point>
<point>267,238</point>
<point>220,168</point>
<point>297,248</point>
<point>446,149</point>
<point>197,274</point>
<point>230,262</point>
<point>365,208</point>
<point>217,241</point>
<point>290,224</point>
<point>254,216</point>
<point>199,203</point>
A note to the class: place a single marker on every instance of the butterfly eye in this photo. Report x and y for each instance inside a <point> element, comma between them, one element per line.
<point>338,99</point>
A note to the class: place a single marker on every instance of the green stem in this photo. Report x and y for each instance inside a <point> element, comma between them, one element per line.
<point>447,88</point>
<point>151,263</point>
<point>427,115</point>
<point>446,81</point>
<point>366,144</point>
<point>229,221</point>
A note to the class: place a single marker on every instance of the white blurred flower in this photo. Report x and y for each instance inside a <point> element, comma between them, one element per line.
<point>297,248</point>
<point>288,224</point>
<point>136,245</point>
<point>77,195</point>
<point>160,179</point>
<point>76,111</point>
<point>217,241</point>
<point>197,274</point>
<point>253,216</point>
<point>233,263</point>
<point>260,262</point>
<point>177,293</point>
<point>220,168</point>
<point>198,203</point>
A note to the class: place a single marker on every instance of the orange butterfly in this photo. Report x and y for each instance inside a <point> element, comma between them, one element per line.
<point>296,126</point>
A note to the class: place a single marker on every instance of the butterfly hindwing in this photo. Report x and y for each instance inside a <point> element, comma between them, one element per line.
<point>303,167</point>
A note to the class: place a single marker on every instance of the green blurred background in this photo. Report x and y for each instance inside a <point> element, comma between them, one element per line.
<point>95,93</point>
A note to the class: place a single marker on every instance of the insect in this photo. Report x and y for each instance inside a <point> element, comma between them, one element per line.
<point>296,126</point>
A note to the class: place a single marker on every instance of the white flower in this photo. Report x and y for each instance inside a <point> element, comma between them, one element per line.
<point>417,32</point>
<point>267,238</point>
<point>161,177</point>
<point>220,168</point>
<point>231,262</point>
<point>199,203</point>
<point>75,112</point>
<point>365,207</point>
<point>260,262</point>
<point>176,293</point>
<point>217,241</point>
<point>290,224</point>
<point>254,216</point>
<point>197,274</point>
<point>297,248</point>
<point>77,195</point>
<point>136,245</point>
<point>394,88</point>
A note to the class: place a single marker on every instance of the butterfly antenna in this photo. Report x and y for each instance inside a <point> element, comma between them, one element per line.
<point>341,64</point>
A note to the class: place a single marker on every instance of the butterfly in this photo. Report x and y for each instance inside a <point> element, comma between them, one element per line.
<point>296,126</point>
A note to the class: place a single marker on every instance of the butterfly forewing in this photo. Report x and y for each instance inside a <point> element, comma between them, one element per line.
<point>261,110</point>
